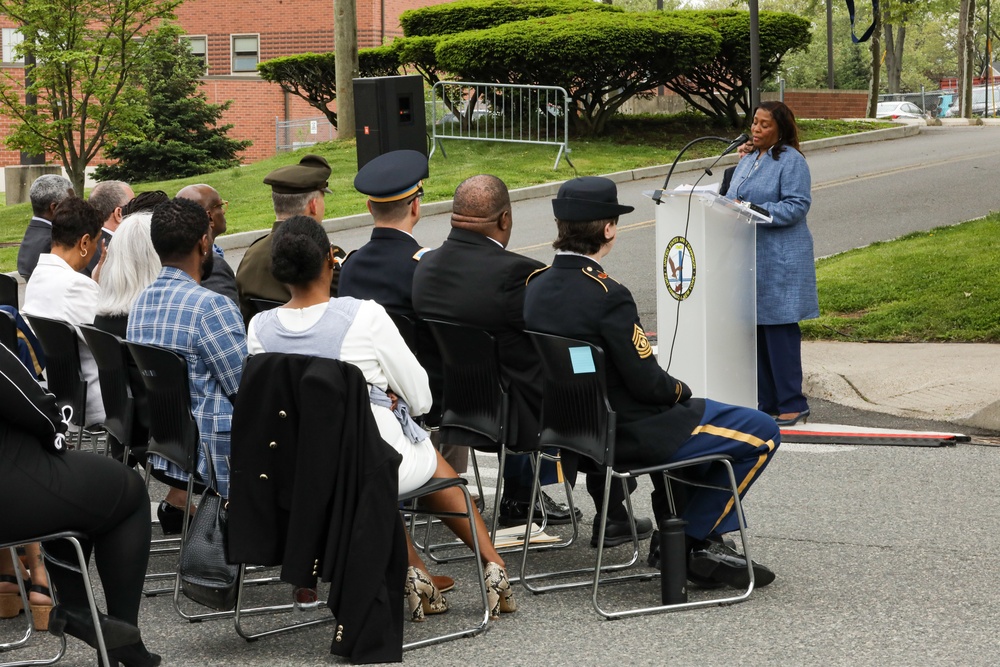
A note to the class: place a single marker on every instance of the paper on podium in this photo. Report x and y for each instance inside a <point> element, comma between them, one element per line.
<point>710,187</point>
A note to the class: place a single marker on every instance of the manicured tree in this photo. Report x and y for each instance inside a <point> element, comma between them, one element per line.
<point>312,76</point>
<point>719,87</point>
<point>85,54</point>
<point>454,17</point>
<point>182,135</point>
<point>602,60</point>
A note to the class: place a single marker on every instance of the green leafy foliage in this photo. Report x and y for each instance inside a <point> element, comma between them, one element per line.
<point>719,87</point>
<point>86,52</point>
<point>313,76</point>
<point>181,135</point>
<point>454,17</point>
<point>601,59</point>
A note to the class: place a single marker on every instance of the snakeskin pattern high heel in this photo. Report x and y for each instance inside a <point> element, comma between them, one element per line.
<point>498,591</point>
<point>422,595</point>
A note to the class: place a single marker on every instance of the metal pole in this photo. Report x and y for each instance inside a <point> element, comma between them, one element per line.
<point>754,56</point>
<point>829,44</point>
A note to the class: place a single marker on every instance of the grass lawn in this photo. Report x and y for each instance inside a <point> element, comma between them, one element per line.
<point>941,285</point>
<point>632,142</point>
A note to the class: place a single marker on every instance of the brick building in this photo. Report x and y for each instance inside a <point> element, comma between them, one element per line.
<point>233,37</point>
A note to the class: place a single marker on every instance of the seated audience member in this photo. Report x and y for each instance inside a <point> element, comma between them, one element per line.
<point>658,420</point>
<point>361,333</point>
<point>297,189</point>
<point>177,313</point>
<point>144,202</point>
<point>129,268</point>
<point>46,489</point>
<point>223,279</point>
<point>45,194</point>
<point>59,290</point>
<point>472,278</point>
<point>382,269</point>
<point>108,198</point>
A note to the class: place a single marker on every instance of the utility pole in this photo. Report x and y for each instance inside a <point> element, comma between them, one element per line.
<point>829,44</point>
<point>346,55</point>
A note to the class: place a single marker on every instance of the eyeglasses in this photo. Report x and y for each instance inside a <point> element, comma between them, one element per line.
<point>223,204</point>
<point>419,195</point>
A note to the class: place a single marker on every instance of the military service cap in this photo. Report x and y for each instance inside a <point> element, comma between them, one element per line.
<point>310,174</point>
<point>588,198</point>
<point>392,176</point>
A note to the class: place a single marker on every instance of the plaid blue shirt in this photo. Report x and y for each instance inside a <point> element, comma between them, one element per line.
<point>207,330</point>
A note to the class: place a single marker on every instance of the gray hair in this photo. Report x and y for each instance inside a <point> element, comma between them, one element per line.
<point>132,265</point>
<point>47,190</point>
<point>294,204</point>
<point>107,196</point>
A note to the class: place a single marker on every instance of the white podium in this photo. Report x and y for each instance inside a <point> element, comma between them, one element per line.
<point>706,294</point>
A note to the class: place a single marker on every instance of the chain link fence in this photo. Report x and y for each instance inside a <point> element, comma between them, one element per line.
<point>292,134</point>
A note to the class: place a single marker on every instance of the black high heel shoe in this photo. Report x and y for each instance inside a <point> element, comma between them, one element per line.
<point>77,622</point>
<point>171,518</point>
<point>134,655</point>
<point>792,421</point>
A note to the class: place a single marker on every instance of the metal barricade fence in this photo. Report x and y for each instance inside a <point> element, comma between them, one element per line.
<point>292,134</point>
<point>503,112</point>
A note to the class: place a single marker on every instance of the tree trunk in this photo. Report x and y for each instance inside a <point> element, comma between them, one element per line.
<point>874,82</point>
<point>346,57</point>
<point>964,110</point>
<point>970,57</point>
<point>895,36</point>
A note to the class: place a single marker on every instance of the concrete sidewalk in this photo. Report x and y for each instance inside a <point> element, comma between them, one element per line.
<point>946,382</point>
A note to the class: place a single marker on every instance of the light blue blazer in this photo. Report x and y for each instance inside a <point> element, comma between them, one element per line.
<point>786,270</point>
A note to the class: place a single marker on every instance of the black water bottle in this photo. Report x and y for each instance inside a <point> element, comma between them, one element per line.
<point>673,561</point>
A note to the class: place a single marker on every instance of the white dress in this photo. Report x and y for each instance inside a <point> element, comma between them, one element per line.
<point>373,344</point>
<point>58,292</point>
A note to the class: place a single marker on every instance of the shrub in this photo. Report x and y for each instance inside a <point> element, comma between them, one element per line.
<point>454,17</point>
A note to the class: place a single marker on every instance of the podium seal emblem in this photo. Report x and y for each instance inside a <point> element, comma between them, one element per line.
<point>679,268</point>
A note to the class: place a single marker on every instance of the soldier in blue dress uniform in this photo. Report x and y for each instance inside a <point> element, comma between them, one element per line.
<point>658,419</point>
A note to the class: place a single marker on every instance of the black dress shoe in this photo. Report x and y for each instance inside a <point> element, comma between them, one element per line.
<point>653,560</point>
<point>77,622</point>
<point>134,655</point>
<point>722,564</point>
<point>620,532</point>
<point>171,518</point>
<point>515,512</point>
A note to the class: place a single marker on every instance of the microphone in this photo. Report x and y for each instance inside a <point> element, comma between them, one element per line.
<point>737,142</point>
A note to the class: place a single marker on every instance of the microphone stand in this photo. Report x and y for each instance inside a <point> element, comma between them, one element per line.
<point>657,194</point>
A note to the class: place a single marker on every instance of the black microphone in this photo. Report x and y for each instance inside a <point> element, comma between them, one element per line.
<point>737,142</point>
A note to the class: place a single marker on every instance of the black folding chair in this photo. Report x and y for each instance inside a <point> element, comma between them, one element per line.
<point>476,402</point>
<point>73,538</point>
<point>63,371</point>
<point>113,360</point>
<point>8,291</point>
<point>577,416</point>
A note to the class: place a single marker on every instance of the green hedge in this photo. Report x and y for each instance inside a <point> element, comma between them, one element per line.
<point>719,88</point>
<point>454,17</point>
<point>601,59</point>
<point>313,76</point>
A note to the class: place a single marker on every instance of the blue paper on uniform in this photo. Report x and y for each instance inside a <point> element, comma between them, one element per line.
<point>582,359</point>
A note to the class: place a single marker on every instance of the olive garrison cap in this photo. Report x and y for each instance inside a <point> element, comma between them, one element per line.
<point>392,176</point>
<point>588,198</point>
<point>310,174</point>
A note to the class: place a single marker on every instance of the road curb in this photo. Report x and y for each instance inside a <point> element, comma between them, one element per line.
<point>331,225</point>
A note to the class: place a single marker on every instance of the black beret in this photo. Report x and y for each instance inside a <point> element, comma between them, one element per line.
<point>310,174</point>
<point>588,198</point>
<point>392,176</point>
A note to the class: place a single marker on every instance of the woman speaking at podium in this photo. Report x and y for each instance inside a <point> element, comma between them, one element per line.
<point>774,176</point>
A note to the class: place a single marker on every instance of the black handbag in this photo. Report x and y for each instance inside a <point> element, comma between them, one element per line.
<point>206,575</point>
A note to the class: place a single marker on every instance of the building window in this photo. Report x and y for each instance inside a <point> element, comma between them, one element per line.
<point>11,37</point>
<point>198,44</point>
<point>246,53</point>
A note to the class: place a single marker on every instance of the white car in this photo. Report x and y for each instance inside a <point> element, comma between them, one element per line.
<point>894,110</point>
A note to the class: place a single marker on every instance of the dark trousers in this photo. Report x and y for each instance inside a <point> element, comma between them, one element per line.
<point>749,437</point>
<point>81,491</point>
<point>779,369</point>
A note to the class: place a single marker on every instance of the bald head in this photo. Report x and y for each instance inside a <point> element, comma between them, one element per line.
<point>209,199</point>
<point>482,205</point>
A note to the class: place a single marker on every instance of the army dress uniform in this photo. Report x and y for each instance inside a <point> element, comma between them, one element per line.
<point>658,420</point>
<point>253,277</point>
